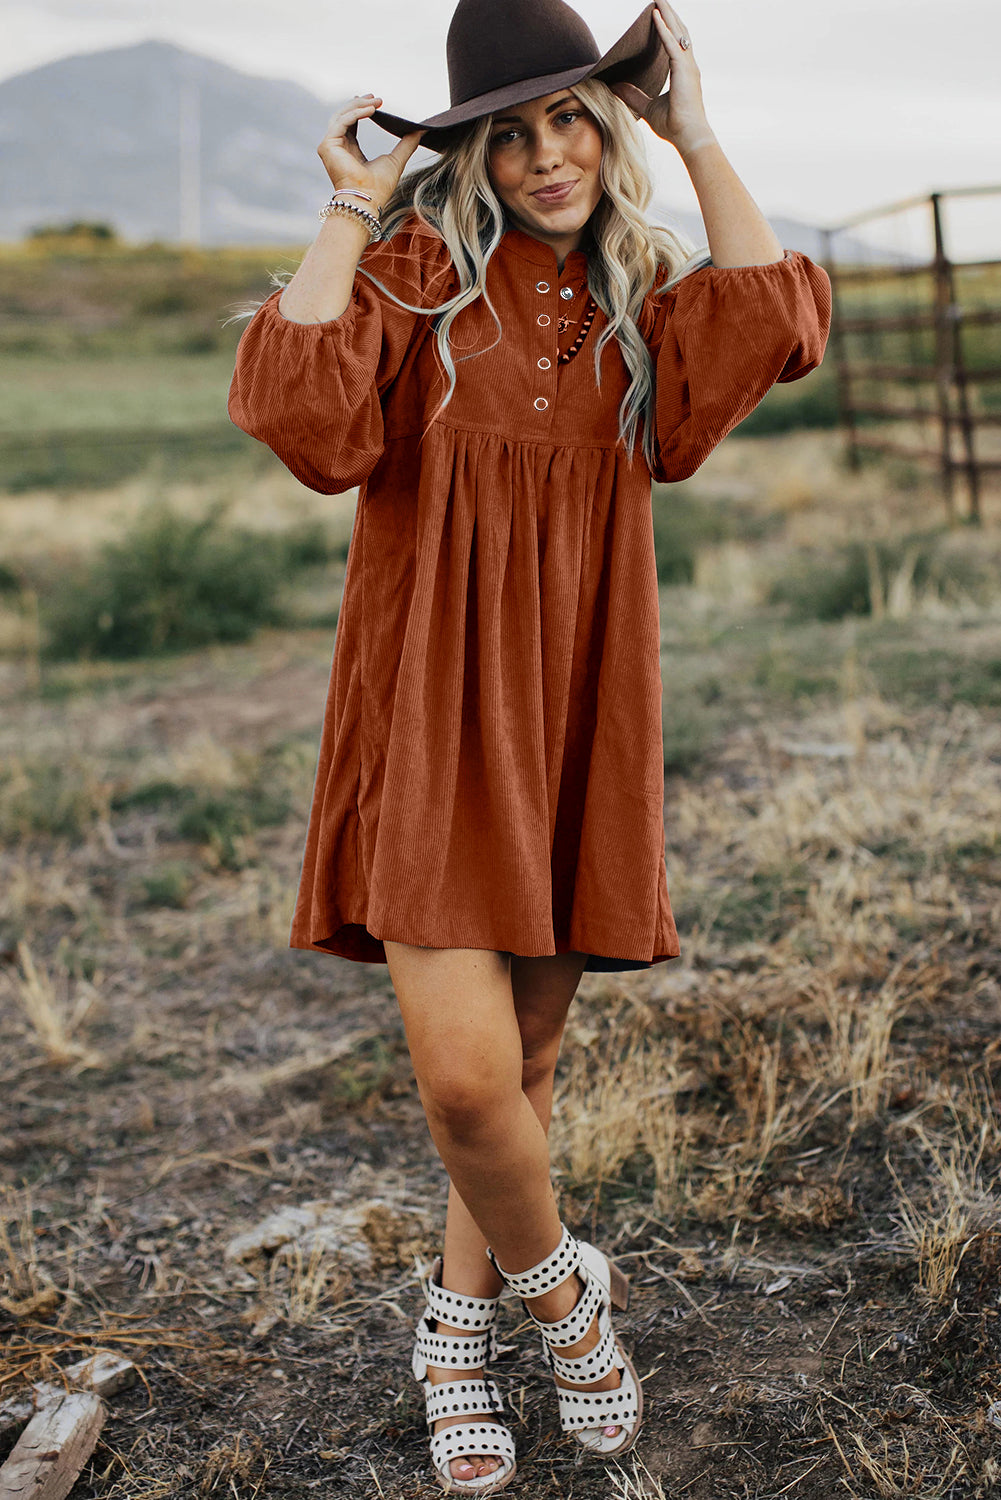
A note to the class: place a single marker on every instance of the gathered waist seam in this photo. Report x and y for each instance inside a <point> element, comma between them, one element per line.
<point>519,442</point>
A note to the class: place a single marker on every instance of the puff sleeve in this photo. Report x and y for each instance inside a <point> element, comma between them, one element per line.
<point>313,392</point>
<point>721,337</point>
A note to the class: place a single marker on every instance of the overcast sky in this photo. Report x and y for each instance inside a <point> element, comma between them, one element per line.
<point>824,109</point>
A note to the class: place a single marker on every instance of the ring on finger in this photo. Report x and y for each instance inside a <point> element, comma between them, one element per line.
<point>684,43</point>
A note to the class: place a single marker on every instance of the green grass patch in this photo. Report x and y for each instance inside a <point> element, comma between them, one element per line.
<point>860,578</point>
<point>223,821</point>
<point>73,300</point>
<point>808,403</point>
<point>126,393</point>
<point>689,734</point>
<point>763,908</point>
<point>928,674</point>
<point>170,885</point>
<point>684,523</point>
<point>97,459</point>
<point>50,798</point>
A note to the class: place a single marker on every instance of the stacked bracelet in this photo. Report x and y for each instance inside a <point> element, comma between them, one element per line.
<point>338,206</point>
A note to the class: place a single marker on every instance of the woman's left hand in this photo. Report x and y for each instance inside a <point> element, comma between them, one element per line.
<point>679,116</point>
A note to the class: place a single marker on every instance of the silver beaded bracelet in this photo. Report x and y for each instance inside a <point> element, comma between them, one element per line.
<point>338,206</point>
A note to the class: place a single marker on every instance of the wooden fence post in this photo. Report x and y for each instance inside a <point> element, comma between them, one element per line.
<point>842,371</point>
<point>943,352</point>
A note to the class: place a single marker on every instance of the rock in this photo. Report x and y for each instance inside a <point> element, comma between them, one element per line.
<point>372,1235</point>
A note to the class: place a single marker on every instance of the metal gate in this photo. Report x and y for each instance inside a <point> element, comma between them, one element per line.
<point>916,338</point>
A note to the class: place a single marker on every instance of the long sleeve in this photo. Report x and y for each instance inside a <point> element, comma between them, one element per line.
<point>721,338</point>
<point>313,391</point>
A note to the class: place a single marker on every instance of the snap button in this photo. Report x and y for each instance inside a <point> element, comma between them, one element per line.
<point>540,403</point>
<point>544,363</point>
<point>566,292</point>
<point>543,319</point>
<point>542,286</point>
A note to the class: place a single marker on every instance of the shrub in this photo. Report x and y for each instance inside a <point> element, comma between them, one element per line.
<point>808,403</point>
<point>308,545</point>
<point>858,578</point>
<point>82,230</point>
<point>224,822</point>
<point>171,584</point>
<point>688,735</point>
<point>681,526</point>
<point>170,884</point>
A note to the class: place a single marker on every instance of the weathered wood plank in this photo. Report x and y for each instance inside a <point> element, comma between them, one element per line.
<point>53,1448</point>
<point>103,1371</point>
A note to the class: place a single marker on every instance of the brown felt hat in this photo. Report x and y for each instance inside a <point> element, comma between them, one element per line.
<point>503,52</point>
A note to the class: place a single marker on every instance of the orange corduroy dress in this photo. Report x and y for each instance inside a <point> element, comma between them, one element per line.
<point>490,770</point>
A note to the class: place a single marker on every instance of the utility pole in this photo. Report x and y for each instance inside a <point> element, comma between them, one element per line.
<point>190,163</point>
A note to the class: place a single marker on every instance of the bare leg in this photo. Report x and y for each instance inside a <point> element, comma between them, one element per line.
<point>484,1032</point>
<point>542,989</point>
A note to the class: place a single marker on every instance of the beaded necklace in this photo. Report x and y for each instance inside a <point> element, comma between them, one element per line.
<point>592,308</point>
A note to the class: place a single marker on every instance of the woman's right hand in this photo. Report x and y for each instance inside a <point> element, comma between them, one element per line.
<point>346,165</point>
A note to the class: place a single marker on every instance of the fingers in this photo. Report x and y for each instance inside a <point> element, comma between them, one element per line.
<point>670,15</point>
<point>669,28</point>
<point>632,97</point>
<point>346,118</point>
<point>342,131</point>
<point>405,147</point>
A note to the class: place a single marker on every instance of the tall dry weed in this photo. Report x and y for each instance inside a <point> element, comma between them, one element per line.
<point>855,1055</point>
<point>886,1467</point>
<point>619,1101</point>
<point>958,1206</point>
<point>52,1016</point>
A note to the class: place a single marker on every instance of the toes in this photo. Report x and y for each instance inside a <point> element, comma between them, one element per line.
<point>473,1468</point>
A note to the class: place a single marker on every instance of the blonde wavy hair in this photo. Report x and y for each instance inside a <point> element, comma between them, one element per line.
<point>455,198</point>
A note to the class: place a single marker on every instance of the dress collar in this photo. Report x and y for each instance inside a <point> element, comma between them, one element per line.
<point>527,247</point>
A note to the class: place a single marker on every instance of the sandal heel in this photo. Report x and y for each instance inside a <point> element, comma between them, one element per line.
<point>618,1286</point>
<point>585,1411</point>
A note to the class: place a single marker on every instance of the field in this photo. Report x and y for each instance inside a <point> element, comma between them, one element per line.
<point>214,1158</point>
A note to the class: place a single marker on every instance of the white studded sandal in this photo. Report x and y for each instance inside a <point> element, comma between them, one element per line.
<point>471,1398</point>
<point>584,1414</point>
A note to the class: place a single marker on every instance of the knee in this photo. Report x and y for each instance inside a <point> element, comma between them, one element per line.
<point>465,1104</point>
<point>540,1047</point>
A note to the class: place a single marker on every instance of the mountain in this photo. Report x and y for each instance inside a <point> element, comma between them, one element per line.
<point>115,136</point>
<point>165,144</point>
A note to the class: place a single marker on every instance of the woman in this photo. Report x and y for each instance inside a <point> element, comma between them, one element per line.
<point>500,351</point>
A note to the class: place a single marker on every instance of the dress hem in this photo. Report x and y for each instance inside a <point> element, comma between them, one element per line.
<point>354,941</point>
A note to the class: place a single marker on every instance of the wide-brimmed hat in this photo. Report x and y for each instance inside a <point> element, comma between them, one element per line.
<point>503,52</point>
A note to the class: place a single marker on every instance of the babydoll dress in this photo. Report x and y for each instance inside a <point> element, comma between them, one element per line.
<point>490,770</point>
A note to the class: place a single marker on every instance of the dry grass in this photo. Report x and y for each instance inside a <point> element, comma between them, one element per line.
<point>959,1205</point>
<point>52,1016</point>
<point>791,1136</point>
<point>41,525</point>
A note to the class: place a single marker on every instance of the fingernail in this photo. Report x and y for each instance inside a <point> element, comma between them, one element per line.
<point>611,1431</point>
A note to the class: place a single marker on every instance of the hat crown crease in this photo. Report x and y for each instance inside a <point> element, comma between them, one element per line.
<point>538,38</point>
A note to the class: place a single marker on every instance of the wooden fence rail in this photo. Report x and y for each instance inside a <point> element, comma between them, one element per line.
<point>947,370</point>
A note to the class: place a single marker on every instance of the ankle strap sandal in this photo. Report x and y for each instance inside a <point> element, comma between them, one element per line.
<point>585,1414</point>
<point>466,1397</point>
